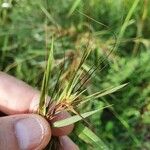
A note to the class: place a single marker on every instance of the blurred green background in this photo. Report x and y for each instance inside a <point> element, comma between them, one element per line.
<point>23,26</point>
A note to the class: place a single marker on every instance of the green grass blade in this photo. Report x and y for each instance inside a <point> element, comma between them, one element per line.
<point>101,94</point>
<point>124,123</point>
<point>88,136</point>
<point>47,14</point>
<point>46,78</point>
<point>75,118</point>
<point>125,24</point>
<point>73,8</point>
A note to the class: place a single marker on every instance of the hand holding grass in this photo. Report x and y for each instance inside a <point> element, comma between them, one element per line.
<point>23,129</point>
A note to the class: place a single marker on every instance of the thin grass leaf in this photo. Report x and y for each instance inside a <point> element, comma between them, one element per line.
<point>90,75</point>
<point>100,94</point>
<point>124,123</point>
<point>57,82</point>
<point>89,137</point>
<point>75,79</point>
<point>77,95</point>
<point>76,118</point>
<point>77,74</point>
<point>102,24</point>
<point>73,8</point>
<point>46,78</point>
<point>126,22</point>
<point>47,14</point>
<point>92,70</point>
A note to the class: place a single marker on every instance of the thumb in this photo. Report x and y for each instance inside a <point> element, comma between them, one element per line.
<point>24,132</point>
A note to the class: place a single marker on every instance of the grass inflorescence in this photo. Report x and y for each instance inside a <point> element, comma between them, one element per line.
<point>71,94</point>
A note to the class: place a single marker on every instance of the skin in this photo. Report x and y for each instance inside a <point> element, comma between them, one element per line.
<point>19,101</point>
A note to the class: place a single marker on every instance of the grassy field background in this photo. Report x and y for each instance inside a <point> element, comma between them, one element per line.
<point>23,25</point>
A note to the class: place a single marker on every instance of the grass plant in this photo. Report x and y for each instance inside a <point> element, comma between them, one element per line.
<point>71,52</point>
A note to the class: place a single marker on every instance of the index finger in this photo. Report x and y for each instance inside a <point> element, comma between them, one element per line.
<point>16,96</point>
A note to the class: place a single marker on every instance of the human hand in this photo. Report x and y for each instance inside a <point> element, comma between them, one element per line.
<point>23,130</point>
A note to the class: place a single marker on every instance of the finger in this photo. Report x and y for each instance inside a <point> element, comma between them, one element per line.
<point>60,131</point>
<point>24,132</point>
<point>67,144</point>
<point>17,97</point>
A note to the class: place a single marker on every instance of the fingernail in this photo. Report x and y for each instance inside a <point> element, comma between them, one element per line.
<point>29,133</point>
